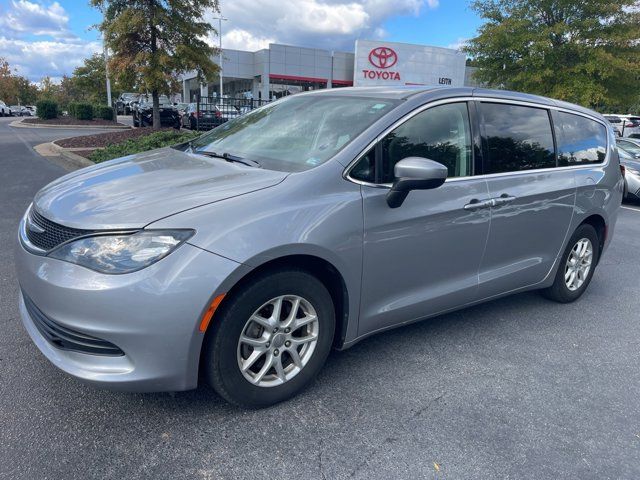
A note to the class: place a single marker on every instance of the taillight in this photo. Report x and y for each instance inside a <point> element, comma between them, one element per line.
<point>622,170</point>
<point>218,114</point>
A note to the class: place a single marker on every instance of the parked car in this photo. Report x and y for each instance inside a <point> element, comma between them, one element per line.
<point>20,111</point>
<point>631,165</point>
<point>143,112</point>
<point>5,110</point>
<point>31,109</point>
<point>181,107</point>
<point>243,256</point>
<point>123,103</point>
<point>201,120</point>
<point>629,145</point>
<point>625,125</point>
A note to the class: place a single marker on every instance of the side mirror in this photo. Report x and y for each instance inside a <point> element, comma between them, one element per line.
<point>415,173</point>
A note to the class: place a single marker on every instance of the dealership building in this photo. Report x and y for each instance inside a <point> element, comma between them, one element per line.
<point>283,69</point>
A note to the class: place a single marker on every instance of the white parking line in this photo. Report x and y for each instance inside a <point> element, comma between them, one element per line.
<point>631,208</point>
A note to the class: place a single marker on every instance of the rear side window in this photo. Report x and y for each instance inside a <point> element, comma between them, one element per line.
<point>581,141</point>
<point>518,138</point>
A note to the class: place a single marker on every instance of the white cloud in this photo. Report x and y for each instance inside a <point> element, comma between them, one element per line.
<point>243,40</point>
<point>330,24</point>
<point>56,52</point>
<point>35,60</point>
<point>29,18</point>
<point>459,43</point>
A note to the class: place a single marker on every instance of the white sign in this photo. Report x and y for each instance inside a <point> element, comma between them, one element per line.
<point>391,63</point>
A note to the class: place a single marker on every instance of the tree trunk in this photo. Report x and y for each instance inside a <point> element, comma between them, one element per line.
<point>156,109</point>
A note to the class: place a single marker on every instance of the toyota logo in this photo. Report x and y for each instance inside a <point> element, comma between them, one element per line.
<point>383,57</point>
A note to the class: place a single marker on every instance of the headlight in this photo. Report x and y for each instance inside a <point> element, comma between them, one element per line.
<point>122,253</point>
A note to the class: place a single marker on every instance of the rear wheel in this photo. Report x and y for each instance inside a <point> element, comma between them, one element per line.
<point>270,339</point>
<point>576,266</point>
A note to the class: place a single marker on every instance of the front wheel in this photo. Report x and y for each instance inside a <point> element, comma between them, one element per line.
<point>576,266</point>
<point>270,339</point>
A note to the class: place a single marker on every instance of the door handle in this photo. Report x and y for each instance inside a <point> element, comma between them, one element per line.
<point>503,199</point>
<point>476,204</point>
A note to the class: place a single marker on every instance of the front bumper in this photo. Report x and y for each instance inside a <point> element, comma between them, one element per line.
<point>633,184</point>
<point>152,315</point>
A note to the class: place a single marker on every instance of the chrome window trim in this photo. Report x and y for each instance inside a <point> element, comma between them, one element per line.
<point>436,103</point>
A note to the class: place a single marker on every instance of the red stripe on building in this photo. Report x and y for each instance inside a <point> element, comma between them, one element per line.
<point>276,76</point>
<point>349,83</point>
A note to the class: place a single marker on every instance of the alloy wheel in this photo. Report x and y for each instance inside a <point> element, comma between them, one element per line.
<point>278,340</point>
<point>578,264</point>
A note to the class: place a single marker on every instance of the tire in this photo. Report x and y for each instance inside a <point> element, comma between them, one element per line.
<point>560,290</point>
<point>222,350</point>
<point>136,123</point>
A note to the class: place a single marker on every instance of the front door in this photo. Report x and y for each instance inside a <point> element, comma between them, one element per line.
<point>423,257</point>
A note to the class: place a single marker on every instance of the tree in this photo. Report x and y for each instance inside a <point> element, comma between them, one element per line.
<point>48,89</point>
<point>157,40</point>
<point>582,51</point>
<point>15,89</point>
<point>7,83</point>
<point>26,92</point>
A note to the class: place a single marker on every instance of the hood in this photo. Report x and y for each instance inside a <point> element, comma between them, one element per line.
<point>134,191</point>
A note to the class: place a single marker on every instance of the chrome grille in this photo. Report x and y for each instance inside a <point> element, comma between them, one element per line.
<point>53,235</point>
<point>65,338</point>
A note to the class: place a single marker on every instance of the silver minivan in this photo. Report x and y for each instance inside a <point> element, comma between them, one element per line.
<point>244,256</point>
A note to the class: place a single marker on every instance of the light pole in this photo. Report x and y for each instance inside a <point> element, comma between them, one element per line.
<point>106,69</point>
<point>220,19</point>
<point>106,66</point>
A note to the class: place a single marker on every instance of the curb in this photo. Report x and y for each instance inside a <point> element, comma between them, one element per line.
<point>19,124</point>
<point>70,160</point>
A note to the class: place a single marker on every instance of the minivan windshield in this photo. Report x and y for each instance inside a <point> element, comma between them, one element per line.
<point>295,133</point>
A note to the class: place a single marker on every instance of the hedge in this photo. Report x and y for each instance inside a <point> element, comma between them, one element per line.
<point>104,112</point>
<point>83,111</point>
<point>163,138</point>
<point>47,109</point>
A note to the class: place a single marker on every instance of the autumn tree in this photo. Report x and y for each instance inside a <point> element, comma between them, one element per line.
<point>48,89</point>
<point>157,40</point>
<point>582,51</point>
<point>15,89</point>
<point>90,84</point>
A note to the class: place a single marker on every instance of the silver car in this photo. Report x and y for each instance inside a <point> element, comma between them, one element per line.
<point>631,168</point>
<point>313,222</point>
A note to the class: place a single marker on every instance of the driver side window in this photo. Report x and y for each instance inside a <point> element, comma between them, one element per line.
<point>440,133</point>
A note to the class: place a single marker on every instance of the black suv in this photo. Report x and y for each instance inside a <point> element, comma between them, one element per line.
<point>142,111</point>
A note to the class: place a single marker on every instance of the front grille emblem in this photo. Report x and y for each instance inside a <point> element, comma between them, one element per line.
<point>33,227</point>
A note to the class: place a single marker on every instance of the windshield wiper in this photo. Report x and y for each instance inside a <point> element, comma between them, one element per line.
<point>228,157</point>
<point>247,161</point>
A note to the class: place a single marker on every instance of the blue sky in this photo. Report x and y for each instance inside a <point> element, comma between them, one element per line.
<point>44,37</point>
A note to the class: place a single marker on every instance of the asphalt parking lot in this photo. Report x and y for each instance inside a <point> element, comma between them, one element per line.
<point>519,388</point>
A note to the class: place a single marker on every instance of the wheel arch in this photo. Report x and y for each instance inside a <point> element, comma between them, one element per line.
<point>315,265</point>
<point>598,222</point>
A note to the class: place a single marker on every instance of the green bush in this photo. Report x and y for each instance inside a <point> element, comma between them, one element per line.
<point>104,112</point>
<point>71,109</point>
<point>83,111</point>
<point>47,109</point>
<point>160,139</point>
